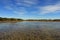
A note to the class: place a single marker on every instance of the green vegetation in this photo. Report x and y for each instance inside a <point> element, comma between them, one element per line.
<point>45,20</point>
<point>9,19</point>
<point>15,20</point>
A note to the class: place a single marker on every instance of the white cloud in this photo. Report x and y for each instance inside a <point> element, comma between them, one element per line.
<point>50,8</point>
<point>22,11</point>
<point>30,1</point>
<point>26,3</point>
<point>19,12</point>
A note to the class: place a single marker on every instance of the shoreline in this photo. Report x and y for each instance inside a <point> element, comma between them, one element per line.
<point>29,21</point>
<point>32,20</point>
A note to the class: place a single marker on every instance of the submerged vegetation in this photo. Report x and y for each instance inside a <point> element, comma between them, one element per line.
<point>31,35</point>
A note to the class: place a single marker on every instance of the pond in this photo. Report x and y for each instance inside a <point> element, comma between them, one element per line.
<point>30,30</point>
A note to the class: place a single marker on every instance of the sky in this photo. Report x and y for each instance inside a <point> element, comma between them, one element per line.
<point>30,9</point>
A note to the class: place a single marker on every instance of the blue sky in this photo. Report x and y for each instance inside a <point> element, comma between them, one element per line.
<point>30,9</point>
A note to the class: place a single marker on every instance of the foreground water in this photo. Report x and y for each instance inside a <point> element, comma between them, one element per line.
<point>30,31</point>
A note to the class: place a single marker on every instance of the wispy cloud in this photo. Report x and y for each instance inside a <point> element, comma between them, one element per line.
<point>49,8</point>
<point>22,11</point>
<point>21,3</point>
<point>17,6</point>
<point>30,1</point>
<point>8,7</point>
<point>26,3</point>
<point>19,12</point>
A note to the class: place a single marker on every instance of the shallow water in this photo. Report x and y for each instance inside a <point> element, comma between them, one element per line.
<point>30,31</point>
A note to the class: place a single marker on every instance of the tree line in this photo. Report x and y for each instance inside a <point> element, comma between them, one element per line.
<point>10,19</point>
<point>15,19</point>
<point>43,20</point>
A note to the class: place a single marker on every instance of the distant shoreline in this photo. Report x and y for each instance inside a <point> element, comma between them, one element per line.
<point>19,20</point>
<point>29,21</point>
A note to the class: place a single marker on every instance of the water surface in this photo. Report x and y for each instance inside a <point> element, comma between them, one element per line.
<point>30,31</point>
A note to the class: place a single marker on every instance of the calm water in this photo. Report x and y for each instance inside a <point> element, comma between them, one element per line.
<point>49,28</point>
<point>29,26</point>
